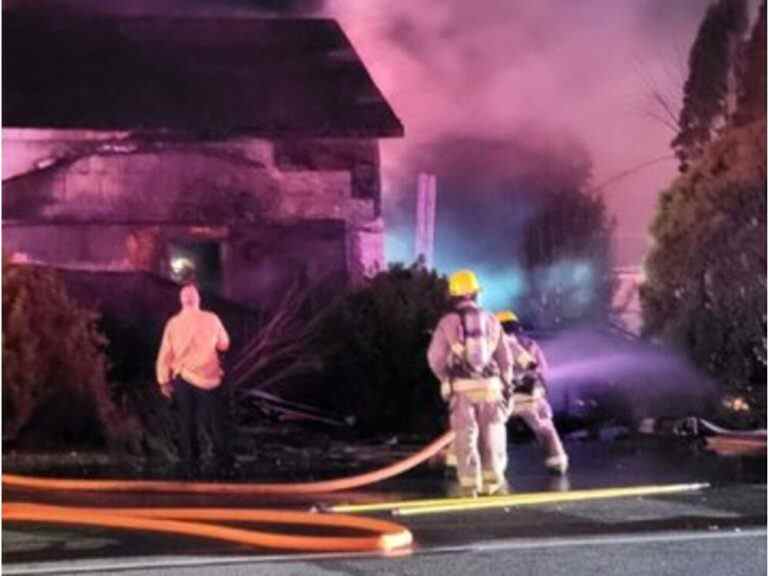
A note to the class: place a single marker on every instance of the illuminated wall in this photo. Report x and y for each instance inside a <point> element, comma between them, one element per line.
<point>278,211</point>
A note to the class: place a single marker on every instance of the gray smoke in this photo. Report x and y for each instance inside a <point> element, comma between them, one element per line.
<point>488,190</point>
<point>493,69</point>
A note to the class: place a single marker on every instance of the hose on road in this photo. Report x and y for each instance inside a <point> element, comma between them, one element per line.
<point>387,536</point>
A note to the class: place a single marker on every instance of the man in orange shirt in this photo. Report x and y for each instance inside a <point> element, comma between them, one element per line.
<point>188,370</point>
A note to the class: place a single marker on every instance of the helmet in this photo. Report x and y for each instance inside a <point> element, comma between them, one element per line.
<point>463,283</point>
<point>507,316</point>
<point>509,322</point>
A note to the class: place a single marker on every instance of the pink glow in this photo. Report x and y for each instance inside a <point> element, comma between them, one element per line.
<point>492,68</point>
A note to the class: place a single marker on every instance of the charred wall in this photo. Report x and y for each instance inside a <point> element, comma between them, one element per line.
<point>273,213</point>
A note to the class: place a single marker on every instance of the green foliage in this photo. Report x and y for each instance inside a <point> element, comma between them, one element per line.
<point>709,87</point>
<point>54,365</point>
<point>377,370</point>
<point>706,282</point>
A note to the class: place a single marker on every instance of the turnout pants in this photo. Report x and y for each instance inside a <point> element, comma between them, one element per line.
<point>537,415</point>
<point>481,441</point>
<point>200,410</point>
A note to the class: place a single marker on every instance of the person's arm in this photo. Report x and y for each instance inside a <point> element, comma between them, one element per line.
<point>164,362</point>
<point>502,354</point>
<point>222,340</point>
<point>437,357</point>
<point>541,360</point>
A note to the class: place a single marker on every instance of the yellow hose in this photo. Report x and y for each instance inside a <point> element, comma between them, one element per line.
<point>463,505</point>
<point>516,499</point>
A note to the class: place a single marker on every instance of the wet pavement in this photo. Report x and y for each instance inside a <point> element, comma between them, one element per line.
<point>729,515</point>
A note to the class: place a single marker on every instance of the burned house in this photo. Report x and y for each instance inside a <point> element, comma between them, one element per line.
<point>245,150</point>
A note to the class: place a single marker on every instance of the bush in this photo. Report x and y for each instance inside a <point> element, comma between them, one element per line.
<point>377,368</point>
<point>54,365</point>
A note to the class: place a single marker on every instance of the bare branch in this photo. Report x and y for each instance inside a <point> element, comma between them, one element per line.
<point>282,349</point>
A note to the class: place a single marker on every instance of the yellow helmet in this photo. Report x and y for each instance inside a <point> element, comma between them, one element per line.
<point>463,283</point>
<point>507,316</point>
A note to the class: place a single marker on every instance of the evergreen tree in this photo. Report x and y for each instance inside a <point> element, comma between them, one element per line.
<point>706,272</point>
<point>709,90</point>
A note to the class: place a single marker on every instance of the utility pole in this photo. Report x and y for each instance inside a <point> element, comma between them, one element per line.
<point>426,202</point>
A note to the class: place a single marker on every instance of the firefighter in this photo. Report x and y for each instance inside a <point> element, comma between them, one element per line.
<point>469,356</point>
<point>188,370</point>
<point>530,392</point>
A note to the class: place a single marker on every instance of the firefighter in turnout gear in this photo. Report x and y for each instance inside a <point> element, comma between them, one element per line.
<point>470,357</point>
<point>530,391</point>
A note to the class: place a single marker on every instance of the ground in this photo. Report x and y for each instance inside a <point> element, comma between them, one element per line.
<point>717,530</point>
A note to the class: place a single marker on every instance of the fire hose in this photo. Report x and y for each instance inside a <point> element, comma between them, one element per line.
<point>202,522</point>
<point>387,536</point>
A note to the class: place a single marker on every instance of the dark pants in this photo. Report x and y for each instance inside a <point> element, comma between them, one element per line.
<point>200,410</point>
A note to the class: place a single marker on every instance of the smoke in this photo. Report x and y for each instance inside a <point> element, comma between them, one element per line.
<point>489,191</point>
<point>508,70</point>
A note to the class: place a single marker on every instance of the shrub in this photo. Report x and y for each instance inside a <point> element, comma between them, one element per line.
<point>377,368</point>
<point>54,365</point>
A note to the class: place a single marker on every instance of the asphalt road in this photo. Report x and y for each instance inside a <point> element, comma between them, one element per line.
<point>734,553</point>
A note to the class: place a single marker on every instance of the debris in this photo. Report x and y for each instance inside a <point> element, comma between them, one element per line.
<point>647,426</point>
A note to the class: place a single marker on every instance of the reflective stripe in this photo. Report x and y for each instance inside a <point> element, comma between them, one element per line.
<point>492,384</point>
<point>457,348</point>
<point>480,389</point>
<point>475,482</point>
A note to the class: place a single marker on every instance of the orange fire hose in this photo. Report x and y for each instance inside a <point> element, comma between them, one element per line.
<point>166,486</point>
<point>186,521</point>
<point>388,536</point>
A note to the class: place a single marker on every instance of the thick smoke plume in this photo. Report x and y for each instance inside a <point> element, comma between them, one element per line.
<point>504,70</point>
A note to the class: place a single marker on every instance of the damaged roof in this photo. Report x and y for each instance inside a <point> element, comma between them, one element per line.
<point>204,76</point>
